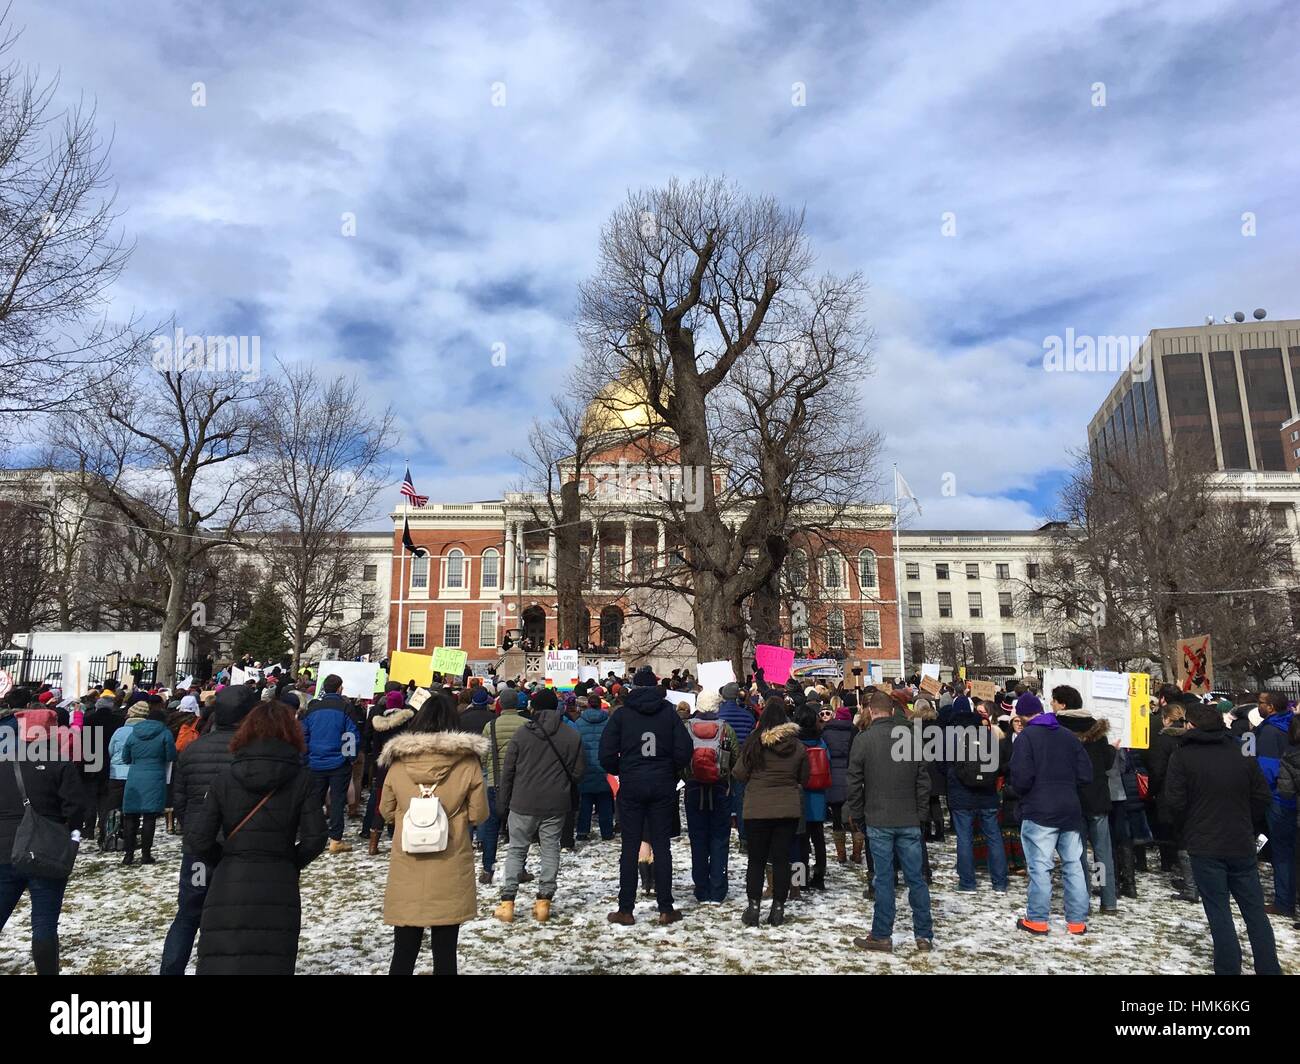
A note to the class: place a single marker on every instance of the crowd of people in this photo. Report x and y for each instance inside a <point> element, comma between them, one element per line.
<point>470,777</point>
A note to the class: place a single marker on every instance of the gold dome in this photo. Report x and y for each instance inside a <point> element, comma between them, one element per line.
<point>620,407</point>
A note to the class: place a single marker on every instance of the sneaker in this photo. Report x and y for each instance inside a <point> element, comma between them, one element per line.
<point>1077,929</point>
<point>924,945</point>
<point>670,917</point>
<point>970,890</point>
<point>753,914</point>
<point>542,910</point>
<point>1034,927</point>
<point>875,945</point>
<point>626,919</point>
<point>1110,910</point>
<point>505,912</point>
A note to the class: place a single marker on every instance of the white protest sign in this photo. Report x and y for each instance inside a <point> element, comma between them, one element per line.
<point>358,677</point>
<point>237,676</point>
<point>930,669</point>
<point>588,672</point>
<point>618,668</point>
<point>1102,704</point>
<point>1109,685</point>
<point>677,697</point>
<point>418,697</point>
<point>716,674</point>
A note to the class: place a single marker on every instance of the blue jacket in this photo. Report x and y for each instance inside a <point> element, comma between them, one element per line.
<point>646,745</point>
<point>324,728</point>
<point>741,720</point>
<point>1271,745</point>
<point>814,802</point>
<point>590,726</point>
<point>1048,765</point>
<point>117,767</point>
<point>147,750</point>
<point>960,796</point>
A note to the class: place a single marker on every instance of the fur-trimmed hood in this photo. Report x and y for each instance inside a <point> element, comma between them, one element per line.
<point>419,744</point>
<point>394,718</point>
<point>1084,726</point>
<point>772,736</point>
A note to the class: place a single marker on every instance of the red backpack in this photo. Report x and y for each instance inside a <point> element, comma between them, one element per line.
<point>709,762</point>
<point>189,731</point>
<point>819,769</point>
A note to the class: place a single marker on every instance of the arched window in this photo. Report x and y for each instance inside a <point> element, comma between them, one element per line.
<point>491,578</point>
<point>835,630</point>
<point>455,569</point>
<point>867,571</point>
<point>420,572</point>
<point>833,571</point>
<point>796,569</point>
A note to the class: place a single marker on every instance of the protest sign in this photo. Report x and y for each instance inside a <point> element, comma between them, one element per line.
<point>1195,664</point>
<point>1139,708</point>
<point>418,697</point>
<point>449,661</point>
<point>562,669</point>
<point>358,677</point>
<point>588,672</point>
<point>774,661</point>
<point>404,667</point>
<point>716,674</point>
<point>984,690</point>
<point>677,697</point>
<point>930,686</point>
<point>616,666</point>
<point>930,668</point>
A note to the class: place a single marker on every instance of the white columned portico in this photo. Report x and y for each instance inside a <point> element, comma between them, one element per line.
<point>627,550</point>
<point>595,554</point>
<point>510,558</point>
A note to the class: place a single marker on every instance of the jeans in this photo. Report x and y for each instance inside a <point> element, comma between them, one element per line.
<point>603,803</point>
<point>179,944</point>
<point>490,832</point>
<point>1099,836</point>
<point>335,781</point>
<point>963,822</point>
<point>738,807</point>
<point>406,949</point>
<point>709,829</point>
<point>1281,837</point>
<point>1216,878</point>
<point>47,902</point>
<point>905,843</point>
<point>770,838</point>
<point>644,815</point>
<point>1040,843</point>
<point>523,829</point>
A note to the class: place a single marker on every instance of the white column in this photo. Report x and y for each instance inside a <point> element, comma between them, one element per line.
<point>663,540</point>
<point>595,555</point>
<point>508,584</point>
<point>627,550</point>
<point>550,560</point>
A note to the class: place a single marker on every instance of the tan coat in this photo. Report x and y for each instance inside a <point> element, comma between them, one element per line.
<point>433,889</point>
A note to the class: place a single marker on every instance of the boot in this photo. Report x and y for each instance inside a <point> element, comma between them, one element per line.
<point>1188,891</point>
<point>146,843</point>
<point>129,828</point>
<point>776,917</point>
<point>45,955</point>
<point>505,912</point>
<point>647,870</point>
<point>1140,855</point>
<point>858,847</point>
<point>171,821</point>
<point>1124,870</point>
<point>373,848</point>
<point>753,914</point>
<point>354,811</point>
<point>767,893</point>
<point>794,894</point>
<point>542,910</point>
<point>839,847</point>
<point>339,846</point>
<point>818,880</point>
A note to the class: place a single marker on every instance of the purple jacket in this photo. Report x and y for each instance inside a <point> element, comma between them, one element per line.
<point>1048,765</point>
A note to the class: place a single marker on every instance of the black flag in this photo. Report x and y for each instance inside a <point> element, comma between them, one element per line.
<point>419,552</point>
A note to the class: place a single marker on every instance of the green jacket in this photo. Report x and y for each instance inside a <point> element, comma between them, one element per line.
<point>506,725</point>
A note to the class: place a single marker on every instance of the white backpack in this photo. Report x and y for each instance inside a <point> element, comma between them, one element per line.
<point>424,827</point>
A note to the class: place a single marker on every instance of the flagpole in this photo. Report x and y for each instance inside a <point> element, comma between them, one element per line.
<point>401,570</point>
<point>898,580</point>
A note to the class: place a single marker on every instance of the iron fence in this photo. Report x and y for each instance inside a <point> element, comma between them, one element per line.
<point>31,669</point>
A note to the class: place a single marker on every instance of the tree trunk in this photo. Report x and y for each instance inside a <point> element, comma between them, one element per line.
<point>165,673</point>
<point>568,574</point>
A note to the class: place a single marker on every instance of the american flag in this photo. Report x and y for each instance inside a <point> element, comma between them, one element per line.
<point>408,490</point>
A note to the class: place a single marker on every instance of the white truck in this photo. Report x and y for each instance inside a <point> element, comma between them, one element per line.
<point>50,648</point>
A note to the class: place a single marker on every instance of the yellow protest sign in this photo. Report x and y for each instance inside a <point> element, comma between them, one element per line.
<point>404,666</point>
<point>1139,708</point>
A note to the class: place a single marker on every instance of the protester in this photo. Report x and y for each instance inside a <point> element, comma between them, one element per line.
<point>261,823</point>
<point>103,719</point>
<point>499,731</point>
<point>593,791</point>
<point>812,834</point>
<point>971,777</point>
<point>333,741</point>
<point>740,719</point>
<point>1215,796</point>
<point>1094,796</point>
<point>1048,765</point>
<point>890,796</point>
<point>381,729</point>
<point>1271,746</point>
<point>433,889</point>
<point>838,735</point>
<point>147,751</point>
<point>707,797</point>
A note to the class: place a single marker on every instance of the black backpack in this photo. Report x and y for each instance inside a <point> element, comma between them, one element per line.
<point>974,777</point>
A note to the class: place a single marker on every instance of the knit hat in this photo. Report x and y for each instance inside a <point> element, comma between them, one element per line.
<point>644,677</point>
<point>707,702</point>
<point>138,711</point>
<point>850,699</point>
<point>480,697</point>
<point>844,713</point>
<point>730,692</point>
<point>521,700</point>
<point>394,699</point>
<point>290,698</point>
<point>1028,705</point>
<point>545,699</point>
<point>233,704</point>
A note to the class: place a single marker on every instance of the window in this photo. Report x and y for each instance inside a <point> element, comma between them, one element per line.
<point>369,572</point>
<point>948,646</point>
<point>976,603</point>
<point>914,604</point>
<point>455,571</point>
<point>941,571</point>
<point>1003,570</point>
<point>1004,603</point>
<point>1035,604</point>
<point>835,630</point>
<point>977,647</point>
<point>487,628</point>
<point>801,637</point>
<point>1009,647</point>
<point>868,575</point>
<point>945,604</point>
<point>451,629</point>
<point>833,571</point>
<point>972,570</point>
<point>536,574</point>
<point>420,573</point>
<point>613,571</point>
<point>1040,647</point>
<point>918,647</point>
<point>415,636</point>
<point>367,608</point>
<point>1031,570</point>
<point>871,628</point>
<point>914,570</point>
<point>366,644</point>
<point>490,579</point>
<point>796,569</point>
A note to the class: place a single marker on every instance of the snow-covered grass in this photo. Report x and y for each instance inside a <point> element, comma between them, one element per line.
<point>115,919</point>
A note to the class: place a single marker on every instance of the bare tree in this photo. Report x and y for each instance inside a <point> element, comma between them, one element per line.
<point>58,250</point>
<point>325,462</point>
<point>27,601</point>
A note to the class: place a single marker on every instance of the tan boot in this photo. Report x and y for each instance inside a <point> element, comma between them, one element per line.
<point>542,910</point>
<point>505,912</point>
<point>339,846</point>
<point>856,856</point>
<point>767,892</point>
<point>170,818</point>
<point>839,847</point>
<point>373,848</point>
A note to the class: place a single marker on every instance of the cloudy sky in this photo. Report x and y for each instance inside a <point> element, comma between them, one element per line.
<point>475,222</point>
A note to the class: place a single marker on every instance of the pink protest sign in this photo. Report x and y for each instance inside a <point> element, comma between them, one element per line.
<point>775,662</point>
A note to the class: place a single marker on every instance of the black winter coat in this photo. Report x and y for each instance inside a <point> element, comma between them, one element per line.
<point>197,766</point>
<point>1215,796</point>
<point>53,787</point>
<point>838,735</point>
<point>627,735</point>
<point>108,719</point>
<point>1094,797</point>
<point>252,914</point>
